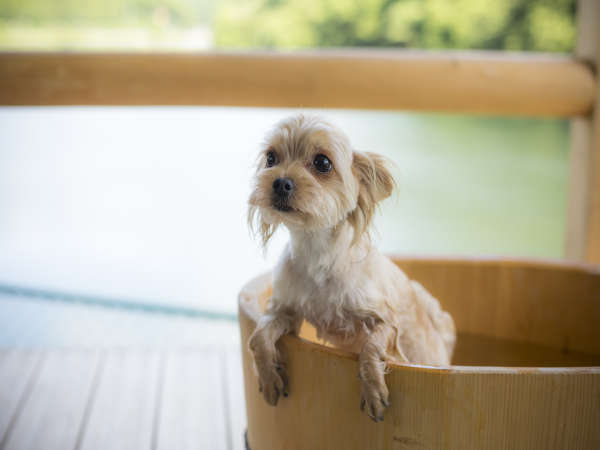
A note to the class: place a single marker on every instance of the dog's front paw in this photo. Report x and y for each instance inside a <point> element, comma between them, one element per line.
<point>273,382</point>
<point>374,398</point>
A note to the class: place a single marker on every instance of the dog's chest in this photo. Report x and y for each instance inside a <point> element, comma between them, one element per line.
<point>330,303</point>
<point>310,292</point>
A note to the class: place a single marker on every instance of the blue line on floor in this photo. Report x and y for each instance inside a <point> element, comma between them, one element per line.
<point>113,303</point>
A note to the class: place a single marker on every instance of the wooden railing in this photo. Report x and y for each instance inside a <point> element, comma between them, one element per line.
<point>491,83</point>
<point>521,84</point>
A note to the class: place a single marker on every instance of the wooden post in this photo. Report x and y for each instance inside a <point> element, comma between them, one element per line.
<point>583,216</point>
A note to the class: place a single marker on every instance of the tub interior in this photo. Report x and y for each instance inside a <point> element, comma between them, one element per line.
<point>474,350</point>
<point>479,350</point>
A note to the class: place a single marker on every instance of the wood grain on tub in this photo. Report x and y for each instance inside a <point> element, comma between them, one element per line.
<point>531,313</point>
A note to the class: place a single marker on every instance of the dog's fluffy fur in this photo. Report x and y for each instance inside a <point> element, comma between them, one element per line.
<point>329,273</point>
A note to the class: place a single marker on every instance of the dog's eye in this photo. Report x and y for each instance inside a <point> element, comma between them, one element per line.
<point>271,159</point>
<point>322,163</point>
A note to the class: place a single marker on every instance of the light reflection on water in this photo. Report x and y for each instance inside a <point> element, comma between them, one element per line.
<point>150,202</point>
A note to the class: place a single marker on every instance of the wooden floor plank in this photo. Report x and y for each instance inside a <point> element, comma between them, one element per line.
<point>52,416</point>
<point>192,414</point>
<point>122,412</point>
<point>235,398</point>
<point>124,400</point>
<point>17,369</point>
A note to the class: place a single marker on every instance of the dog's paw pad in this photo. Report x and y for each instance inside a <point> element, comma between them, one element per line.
<point>374,400</point>
<point>273,383</point>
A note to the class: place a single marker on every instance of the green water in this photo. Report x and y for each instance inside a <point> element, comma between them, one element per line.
<point>150,203</point>
<point>113,202</point>
<point>473,185</point>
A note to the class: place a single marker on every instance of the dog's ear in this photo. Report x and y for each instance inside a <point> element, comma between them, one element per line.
<point>375,184</point>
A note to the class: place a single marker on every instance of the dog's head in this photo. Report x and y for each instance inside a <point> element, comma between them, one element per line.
<point>308,177</point>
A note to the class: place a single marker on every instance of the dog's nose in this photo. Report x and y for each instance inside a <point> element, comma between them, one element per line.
<point>283,187</point>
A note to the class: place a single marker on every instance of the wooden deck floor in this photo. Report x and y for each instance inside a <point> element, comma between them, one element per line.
<point>121,399</point>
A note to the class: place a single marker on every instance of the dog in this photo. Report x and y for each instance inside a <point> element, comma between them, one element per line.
<point>310,180</point>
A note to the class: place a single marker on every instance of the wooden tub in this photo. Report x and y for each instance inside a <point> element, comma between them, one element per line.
<point>526,371</point>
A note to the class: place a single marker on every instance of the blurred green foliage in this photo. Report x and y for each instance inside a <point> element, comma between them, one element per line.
<point>538,25</point>
<point>109,13</point>
<point>106,24</point>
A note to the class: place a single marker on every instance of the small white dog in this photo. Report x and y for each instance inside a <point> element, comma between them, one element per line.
<point>311,180</point>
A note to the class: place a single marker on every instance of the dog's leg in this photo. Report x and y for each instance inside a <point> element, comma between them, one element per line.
<point>272,376</point>
<point>374,395</point>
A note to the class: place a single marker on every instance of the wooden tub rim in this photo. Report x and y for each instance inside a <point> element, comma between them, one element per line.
<point>248,306</point>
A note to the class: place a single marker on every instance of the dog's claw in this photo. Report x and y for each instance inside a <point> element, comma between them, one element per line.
<point>374,398</point>
<point>373,417</point>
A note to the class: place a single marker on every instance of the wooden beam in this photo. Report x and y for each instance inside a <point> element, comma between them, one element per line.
<point>583,214</point>
<point>458,82</point>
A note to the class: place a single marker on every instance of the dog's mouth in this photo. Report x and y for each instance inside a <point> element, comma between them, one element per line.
<point>283,208</point>
<point>282,205</point>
